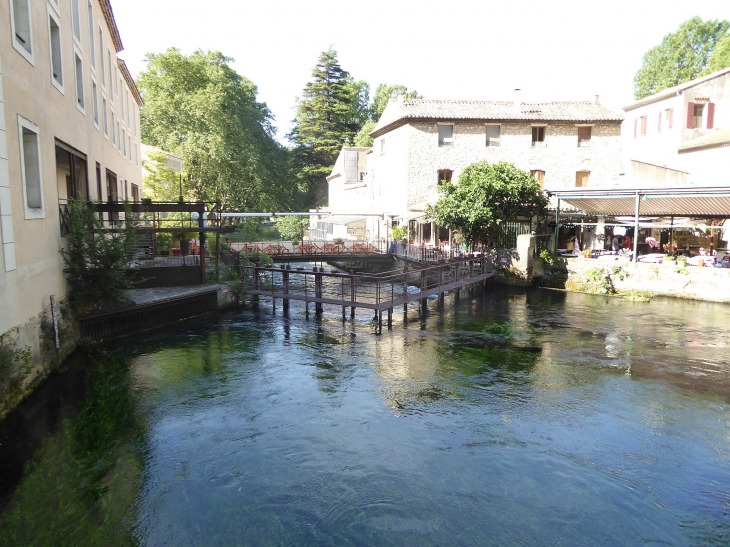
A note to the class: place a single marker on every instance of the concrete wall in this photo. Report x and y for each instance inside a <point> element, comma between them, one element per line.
<point>31,266</point>
<point>660,145</point>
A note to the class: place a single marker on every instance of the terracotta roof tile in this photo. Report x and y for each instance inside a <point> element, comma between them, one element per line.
<point>400,111</point>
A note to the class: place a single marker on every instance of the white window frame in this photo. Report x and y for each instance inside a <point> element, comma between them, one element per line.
<point>543,142</point>
<point>53,15</point>
<point>104,115</point>
<point>17,44</point>
<point>109,68</point>
<point>30,212</point>
<point>56,7</point>
<point>453,132</point>
<point>113,127</point>
<point>95,101</point>
<point>102,67</point>
<point>123,141</point>
<point>92,47</point>
<point>129,147</point>
<point>499,140</point>
<point>79,72</point>
<point>77,39</point>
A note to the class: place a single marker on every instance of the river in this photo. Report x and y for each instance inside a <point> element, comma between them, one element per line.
<point>516,417</point>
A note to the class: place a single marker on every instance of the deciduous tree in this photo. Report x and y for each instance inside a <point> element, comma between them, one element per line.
<point>487,197</point>
<point>682,56</point>
<point>197,107</point>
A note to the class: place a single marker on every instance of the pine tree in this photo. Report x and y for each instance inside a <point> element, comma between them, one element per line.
<point>331,111</point>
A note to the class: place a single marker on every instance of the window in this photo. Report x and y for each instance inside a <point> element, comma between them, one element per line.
<point>117,137</point>
<point>129,148</point>
<point>493,133</point>
<point>111,186</point>
<point>640,126</point>
<point>75,19</point>
<point>121,110</point>
<point>539,176</point>
<point>98,183</point>
<point>71,170</point>
<point>123,144</point>
<point>20,22</point>
<point>136,155</point>
<point>699,110</point>
<point>101,58</point>
<point>584,135</point>
<point>79,81</point>
<point>444,176</point>
<point>582,178</point>
<point>382,146</point>
<point>668,115</point>
<point>135,193</point>
<point>92,50</point>
<point>114,135</point>
<point>30,168</point>
<point>95,106</point>
<point>446,135</point>
<point>109,65</point>
<point>103,116</point>
<point>127,103</point>
<point>54,37</point>
<point>538,134</point>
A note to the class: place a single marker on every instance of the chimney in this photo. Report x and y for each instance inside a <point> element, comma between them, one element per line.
<point>516,97</point>
<point>597,101</point>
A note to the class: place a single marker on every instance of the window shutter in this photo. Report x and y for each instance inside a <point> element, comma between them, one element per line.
<point>636,124</point>
<point>643,126</point>
<point>659,123</point>
<point>690,115</point>
<point>671,117</point>
<point>710,115</point>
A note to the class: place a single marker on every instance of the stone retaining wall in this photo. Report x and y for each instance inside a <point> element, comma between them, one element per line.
<point>710,284</point>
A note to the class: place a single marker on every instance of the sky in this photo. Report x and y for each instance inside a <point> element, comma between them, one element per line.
<point>449,49</point>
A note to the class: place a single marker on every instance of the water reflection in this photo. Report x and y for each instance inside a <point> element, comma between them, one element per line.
<point>523,417</point>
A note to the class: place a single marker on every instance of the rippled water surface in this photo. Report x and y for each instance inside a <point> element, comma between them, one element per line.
<point>514,418</point>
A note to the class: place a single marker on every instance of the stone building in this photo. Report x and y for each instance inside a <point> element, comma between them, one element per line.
<point>69,130</point>
<point>681,135</point>
<point>418,143</point>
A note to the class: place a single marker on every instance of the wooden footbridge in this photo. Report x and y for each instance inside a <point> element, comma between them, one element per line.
<point>377,292</point>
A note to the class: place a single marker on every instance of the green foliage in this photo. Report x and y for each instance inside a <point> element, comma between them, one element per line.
<point>720,56</point>
<point>161,182</point>
<point>547,256</point>
<point>497,328</point>
<point>198,108</point>
<point>682,56</point>
<point>487,197</point>
<point>601,278</point>
<point>163,241</point>
<point>399,232</point>
<point>363,137</point>
<point>95,258</point>
<point>385,92</point>
<point>331,111</point>
<point>14,367</point>
<point>292,227</point>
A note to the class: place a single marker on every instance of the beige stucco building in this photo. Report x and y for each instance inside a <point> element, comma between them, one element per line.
<point>680,136</point>
<point>418,143</point>
<point>69,129</point>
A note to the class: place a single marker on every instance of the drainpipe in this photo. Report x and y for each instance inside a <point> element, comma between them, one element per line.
<point>636,227</point>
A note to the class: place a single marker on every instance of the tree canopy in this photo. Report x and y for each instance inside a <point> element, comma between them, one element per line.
<point>682,56</point>
<point>197,107</point>
<point>486,198</point>
<point>720,57</point>
<point>383,93</point>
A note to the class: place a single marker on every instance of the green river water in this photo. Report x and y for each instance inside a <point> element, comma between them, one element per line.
<point>515,417</point>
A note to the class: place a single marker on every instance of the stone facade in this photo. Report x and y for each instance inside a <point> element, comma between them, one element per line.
<point>559,156</point>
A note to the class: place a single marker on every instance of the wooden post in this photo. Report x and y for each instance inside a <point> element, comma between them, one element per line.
<point>203,279</point>
<point>353,290</point>
<point>256,284</point>
<point>285,283</point>
<point>405,288</point>
<point>306,297</point>
<point>318,289</point>
<point>390,318</point>
<point>423,288</point>
<point>441,284</point>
